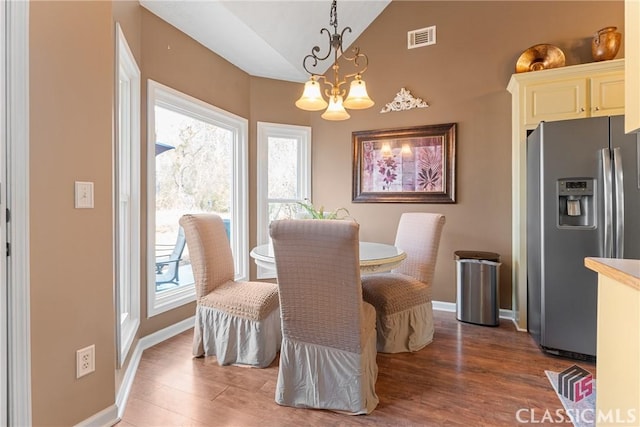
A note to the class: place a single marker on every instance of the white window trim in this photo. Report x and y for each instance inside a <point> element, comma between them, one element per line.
<point>158,93</point>
<point>275,130</point>
<point>127,68</point>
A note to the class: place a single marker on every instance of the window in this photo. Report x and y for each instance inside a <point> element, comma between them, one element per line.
<point>197,163</point>
<point>284,176</point>
<point>127,197</point>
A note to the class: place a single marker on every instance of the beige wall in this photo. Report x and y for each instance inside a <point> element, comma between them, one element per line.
<point>72,306</point>
<point>463,78</point>
<point>272,101</point>
<point>173,59</point>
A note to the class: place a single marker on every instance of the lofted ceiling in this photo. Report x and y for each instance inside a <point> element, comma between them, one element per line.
<point>266,38</point>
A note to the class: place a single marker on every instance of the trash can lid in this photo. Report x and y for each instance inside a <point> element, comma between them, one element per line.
<point>487,256</point>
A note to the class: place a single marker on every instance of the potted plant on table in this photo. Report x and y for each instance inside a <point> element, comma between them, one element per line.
<point>311,212</point>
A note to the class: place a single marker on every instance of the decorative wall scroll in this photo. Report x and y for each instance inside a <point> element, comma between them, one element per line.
<point>404,101</point>
<point>409,165</point>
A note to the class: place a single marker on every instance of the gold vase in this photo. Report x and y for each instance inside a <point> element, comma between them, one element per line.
<point>605,44</point>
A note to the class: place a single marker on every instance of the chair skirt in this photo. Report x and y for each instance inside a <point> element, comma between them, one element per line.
<point>316,376</point>
<point>236,340</point>
<point>407,330</point>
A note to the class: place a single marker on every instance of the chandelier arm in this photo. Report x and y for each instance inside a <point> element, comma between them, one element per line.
<point>339,39</point>
<point>314,55</point>
<point>335,91</point>
<point>322,78</point>
<point>355,59</point>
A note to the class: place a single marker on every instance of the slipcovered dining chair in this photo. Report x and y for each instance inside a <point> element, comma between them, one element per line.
<point>328,354</point>
<point>236,321</point>
<point>402,297</point>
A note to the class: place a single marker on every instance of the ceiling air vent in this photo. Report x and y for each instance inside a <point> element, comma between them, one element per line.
<point>422,37</point>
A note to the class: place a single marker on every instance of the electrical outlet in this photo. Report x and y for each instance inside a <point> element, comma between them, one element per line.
<point>85,361</point>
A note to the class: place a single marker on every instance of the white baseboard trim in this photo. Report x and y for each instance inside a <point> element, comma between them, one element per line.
<point>451,307</point>
<point>106,417</point>
<point>143,344</point>
<point>444,306</point>
<point>518,328</point>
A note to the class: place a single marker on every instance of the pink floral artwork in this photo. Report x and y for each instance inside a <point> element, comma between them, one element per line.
<point>429,168</point>
<point>405,165</point>
<point>417,168</point>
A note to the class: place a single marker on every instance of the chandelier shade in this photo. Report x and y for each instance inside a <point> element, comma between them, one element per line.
<point>311,99</point>
<point>335,110</point>
<point>357,99</point>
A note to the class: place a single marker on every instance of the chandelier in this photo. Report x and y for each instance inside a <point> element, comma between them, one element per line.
<point>312,99</point>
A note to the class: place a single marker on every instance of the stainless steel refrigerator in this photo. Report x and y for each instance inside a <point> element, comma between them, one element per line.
<point>583,200</point>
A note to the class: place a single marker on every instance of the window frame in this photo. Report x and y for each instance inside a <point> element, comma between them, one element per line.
<point>127,190</point>
<point>265,130</point>
<point>166,97</point>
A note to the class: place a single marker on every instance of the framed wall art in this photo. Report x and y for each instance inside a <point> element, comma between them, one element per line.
<point>407,165</point>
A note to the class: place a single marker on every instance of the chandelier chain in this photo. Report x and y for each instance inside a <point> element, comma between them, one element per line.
<point>333,17</point>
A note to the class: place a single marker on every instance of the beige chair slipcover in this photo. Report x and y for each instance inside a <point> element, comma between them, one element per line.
<point>328,354</point>
<point>238,322</point>
<point>402,297</point>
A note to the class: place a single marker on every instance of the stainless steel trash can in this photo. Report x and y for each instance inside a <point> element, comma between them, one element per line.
<point>478,287</point>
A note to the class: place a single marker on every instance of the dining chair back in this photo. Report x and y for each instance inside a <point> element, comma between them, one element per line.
<point>402,297</point>
<point>418,234</point>
<point>328,354</point>
<point>236,321</point>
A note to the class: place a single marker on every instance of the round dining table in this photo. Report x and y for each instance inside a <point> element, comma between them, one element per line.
<point>374,257</point>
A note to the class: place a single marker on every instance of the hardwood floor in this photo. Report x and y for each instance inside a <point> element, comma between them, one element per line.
<point>469,375</point>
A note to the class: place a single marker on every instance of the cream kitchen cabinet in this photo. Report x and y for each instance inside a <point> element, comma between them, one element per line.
<point>573,98</point>
<point>571,92</point>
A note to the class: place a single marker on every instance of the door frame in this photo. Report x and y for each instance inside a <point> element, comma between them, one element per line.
<point>15,146</point>
<point>4,318</point>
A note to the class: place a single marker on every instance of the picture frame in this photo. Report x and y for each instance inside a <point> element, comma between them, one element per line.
<point>405,165</point>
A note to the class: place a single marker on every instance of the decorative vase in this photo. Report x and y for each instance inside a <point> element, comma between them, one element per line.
<point>605,44</point>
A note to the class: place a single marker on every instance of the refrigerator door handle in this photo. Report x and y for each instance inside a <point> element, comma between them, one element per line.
<point>607,203</point>
<point>619,206</point>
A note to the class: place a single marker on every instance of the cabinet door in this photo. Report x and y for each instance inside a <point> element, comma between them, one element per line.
<point>560,100</point>
<point>607,95</point>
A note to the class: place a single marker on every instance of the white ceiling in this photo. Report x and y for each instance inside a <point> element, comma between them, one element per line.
<point>266,38</point>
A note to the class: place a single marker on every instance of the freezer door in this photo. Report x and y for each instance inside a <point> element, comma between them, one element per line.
<point>570,149</point>
<point>628,148</point>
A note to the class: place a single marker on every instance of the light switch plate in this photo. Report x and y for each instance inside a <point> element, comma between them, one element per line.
<point>84,195</point>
